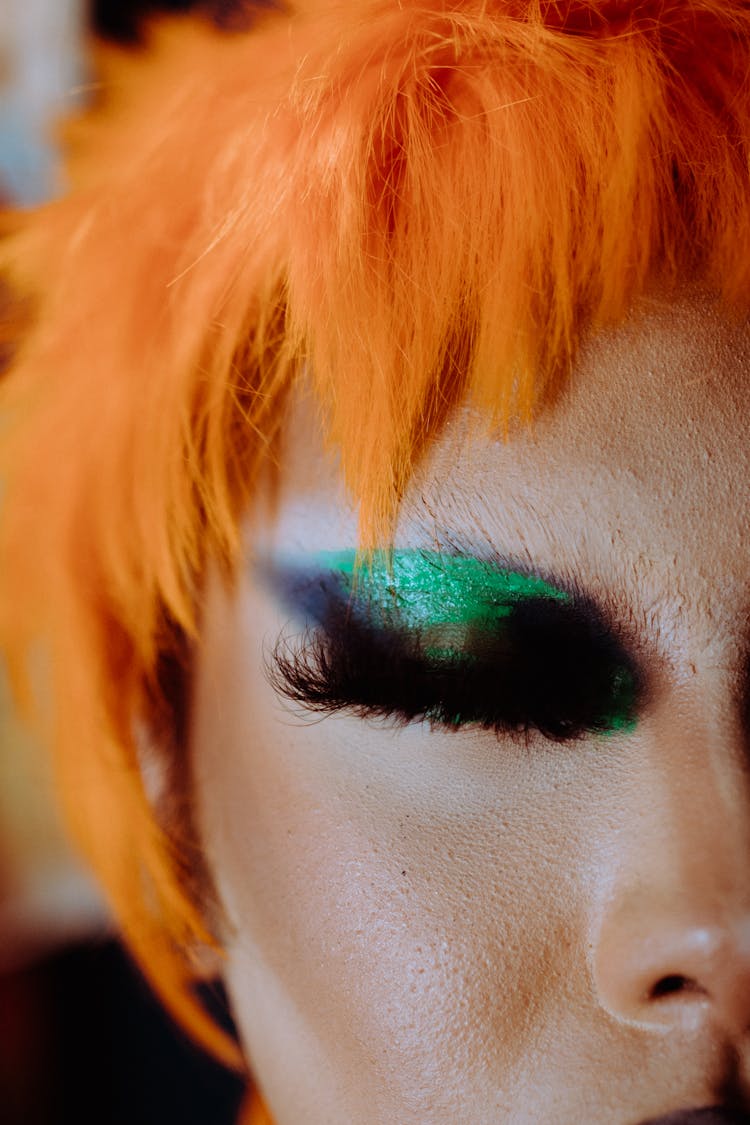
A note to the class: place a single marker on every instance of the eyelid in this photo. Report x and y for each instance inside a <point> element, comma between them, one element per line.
<point>348,661</point>
<point>421,588</point>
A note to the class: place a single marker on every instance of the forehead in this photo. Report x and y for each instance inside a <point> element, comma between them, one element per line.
<point>632,485</point>
<point>649,435</point>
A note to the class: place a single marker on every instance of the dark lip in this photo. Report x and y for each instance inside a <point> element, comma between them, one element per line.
<point>708,1115</point>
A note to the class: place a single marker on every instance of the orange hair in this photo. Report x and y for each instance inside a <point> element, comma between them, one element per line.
<point>410,203</point>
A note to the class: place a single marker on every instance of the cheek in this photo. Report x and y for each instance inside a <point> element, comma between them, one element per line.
<point>403,905</point>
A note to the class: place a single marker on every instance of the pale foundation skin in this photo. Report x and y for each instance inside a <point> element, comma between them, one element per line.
<point>432,927</point>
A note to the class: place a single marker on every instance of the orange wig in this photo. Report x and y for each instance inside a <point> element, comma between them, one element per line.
<point>407,203</point>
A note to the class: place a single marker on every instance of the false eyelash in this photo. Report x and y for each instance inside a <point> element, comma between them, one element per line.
<point>551,670</point>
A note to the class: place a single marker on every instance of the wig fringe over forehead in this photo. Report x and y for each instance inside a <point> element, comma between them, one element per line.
<point>409,204</point>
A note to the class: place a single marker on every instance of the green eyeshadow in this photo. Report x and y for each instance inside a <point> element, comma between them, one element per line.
<point>449,600</point>
<point>621,714</point>
<point>424,589</point>
<point>457,639</point>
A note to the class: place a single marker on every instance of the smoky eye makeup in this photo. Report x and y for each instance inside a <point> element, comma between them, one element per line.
<point>451,640</point>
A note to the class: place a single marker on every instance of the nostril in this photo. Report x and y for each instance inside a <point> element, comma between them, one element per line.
<point>671,966</point>
<point>672,983</point>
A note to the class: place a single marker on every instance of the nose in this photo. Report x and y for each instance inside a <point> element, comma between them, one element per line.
<point>677,968</point>
<point>672,948</point>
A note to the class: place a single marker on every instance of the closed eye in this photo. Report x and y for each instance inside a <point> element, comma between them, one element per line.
<point>535,663</point>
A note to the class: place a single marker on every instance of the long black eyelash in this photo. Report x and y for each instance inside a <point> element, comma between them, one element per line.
<point>326,672</point>
<point>551,668</point>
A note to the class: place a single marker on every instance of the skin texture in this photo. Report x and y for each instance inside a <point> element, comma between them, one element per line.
<point>431,926</point>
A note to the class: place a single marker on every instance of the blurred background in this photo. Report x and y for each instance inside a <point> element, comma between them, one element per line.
<point>81,1038</point>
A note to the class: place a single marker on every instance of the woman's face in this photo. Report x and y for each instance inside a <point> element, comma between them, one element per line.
<point>451,921</point>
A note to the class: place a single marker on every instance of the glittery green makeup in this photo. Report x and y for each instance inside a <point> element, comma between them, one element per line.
<point>452,639</point>
<point>444,597</point>
<point>431,588</point>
